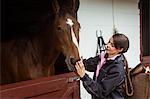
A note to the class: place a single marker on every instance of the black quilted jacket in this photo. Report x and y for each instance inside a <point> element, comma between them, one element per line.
<point>109,81</point>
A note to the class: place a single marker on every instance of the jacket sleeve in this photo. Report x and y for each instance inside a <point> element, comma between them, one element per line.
<point>106,85</point>
<point>91,63</point>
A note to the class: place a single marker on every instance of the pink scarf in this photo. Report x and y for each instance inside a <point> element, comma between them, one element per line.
<point>101,63</point>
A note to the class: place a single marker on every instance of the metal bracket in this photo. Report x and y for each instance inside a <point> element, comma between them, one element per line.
<point>72,79</point>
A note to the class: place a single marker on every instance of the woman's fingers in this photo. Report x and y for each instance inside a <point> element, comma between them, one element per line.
<point>81,64</point>
<point>80,68</point>
<point>77,66</point>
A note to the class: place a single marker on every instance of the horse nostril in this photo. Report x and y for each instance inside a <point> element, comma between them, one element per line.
<point>73,61</point>
<point>59,28</point>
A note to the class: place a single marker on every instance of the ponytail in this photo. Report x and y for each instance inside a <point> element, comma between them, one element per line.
<point>128,83</point>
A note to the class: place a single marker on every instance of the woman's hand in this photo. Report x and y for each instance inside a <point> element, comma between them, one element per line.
<point>80,68</point>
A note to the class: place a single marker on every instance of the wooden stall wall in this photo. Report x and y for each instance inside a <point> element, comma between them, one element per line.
<point>64,86</point>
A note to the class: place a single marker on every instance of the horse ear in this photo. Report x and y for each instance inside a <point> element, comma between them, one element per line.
<point>55,6</point>
<point>75,5</point>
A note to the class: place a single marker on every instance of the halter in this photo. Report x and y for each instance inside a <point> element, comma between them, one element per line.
<point>74,39</point>
<point>100,43</point>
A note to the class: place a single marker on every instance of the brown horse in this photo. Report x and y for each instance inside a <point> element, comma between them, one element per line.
<point>29,51</point>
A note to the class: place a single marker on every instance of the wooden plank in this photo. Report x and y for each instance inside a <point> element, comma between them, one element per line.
<point>45,87</point>
<point>66,75</point>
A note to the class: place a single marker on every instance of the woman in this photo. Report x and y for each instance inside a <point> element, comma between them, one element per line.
<point>107,82</point>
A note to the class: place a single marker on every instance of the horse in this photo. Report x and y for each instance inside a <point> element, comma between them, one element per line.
<point>33,39</point>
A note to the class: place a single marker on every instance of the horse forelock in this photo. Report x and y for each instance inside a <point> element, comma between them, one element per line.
<point>64,11</point>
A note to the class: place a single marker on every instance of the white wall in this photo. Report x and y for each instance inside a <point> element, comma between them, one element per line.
<point>98,15</point>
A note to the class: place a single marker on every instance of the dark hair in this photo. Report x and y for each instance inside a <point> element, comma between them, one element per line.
<point>121,41</point>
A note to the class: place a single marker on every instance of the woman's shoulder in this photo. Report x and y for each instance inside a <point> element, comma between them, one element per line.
<point>119,59</point>
<point>118,63</point>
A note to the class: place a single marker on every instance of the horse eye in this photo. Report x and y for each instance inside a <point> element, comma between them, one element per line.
<point>58,28</point>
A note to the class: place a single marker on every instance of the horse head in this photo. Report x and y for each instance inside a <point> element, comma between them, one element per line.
<point>66,34</point>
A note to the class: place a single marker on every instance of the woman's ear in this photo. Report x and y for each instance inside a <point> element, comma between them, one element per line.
<point>120,50</point>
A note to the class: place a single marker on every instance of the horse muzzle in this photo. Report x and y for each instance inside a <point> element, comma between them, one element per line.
<point>71,62</point>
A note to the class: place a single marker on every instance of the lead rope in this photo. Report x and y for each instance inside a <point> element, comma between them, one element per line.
<point>128,83</point>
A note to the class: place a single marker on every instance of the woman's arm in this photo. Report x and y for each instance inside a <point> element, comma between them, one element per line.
<point>104,87</point>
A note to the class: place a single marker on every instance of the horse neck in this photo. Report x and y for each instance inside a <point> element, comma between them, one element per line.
<point>45,49</point>
<point>40,59</point>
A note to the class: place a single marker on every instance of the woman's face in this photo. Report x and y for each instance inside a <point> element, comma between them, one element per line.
<point>111,50</point>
